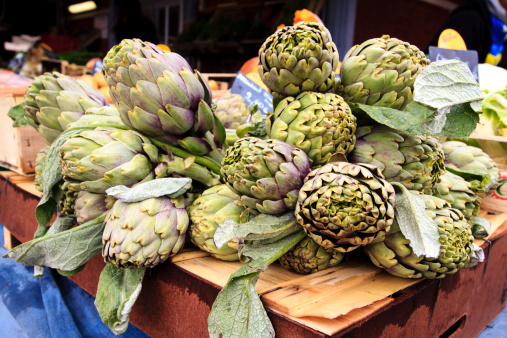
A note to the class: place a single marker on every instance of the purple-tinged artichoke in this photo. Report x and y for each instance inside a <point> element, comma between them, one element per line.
<point>144,234</point>
<point>267,174</point>
<point>157,94</point>
<point>89,206</point>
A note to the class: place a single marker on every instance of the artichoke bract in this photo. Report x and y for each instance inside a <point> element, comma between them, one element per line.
<point>309,257</point>
<point>462,157</point>
<point>298,58</point>
<point>144,234</point>
<point>458,193</point>
<point>41,156</point>
<point>67,199</point>
<point>343,206</point>
<point>319,124</point>
<point>414,161</point>
<point>54,100</point>
<point>215,205</point>
<point>232,110</point>
<point>157,94</point>
<point>267,174</point>
<point>381,72</point>
<point>396,256</point>
<point>89,206</point>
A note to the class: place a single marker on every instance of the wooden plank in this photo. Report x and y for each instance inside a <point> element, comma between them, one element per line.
<point>188,253</point>
<point>488,137</point>
<point>9,240</point>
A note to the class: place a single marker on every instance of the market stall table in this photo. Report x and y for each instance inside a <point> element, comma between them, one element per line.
<point>354,299</point>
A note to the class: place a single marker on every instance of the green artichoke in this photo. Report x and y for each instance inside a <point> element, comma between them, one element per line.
<point>158,95</point>
<point>95,160</point>
<point>462,157</point>
<point>54,100</point>
<point>456,245</point>
<point>343,206</point>
<point>41,156</point>
<point>458,193</point>
<point>89,206</point>
<point>232,110</point>
<point>66,199</point>
<point>267,174</point>
<point>298,58</point>
<point>144,234</point>
<point>208,211</point>
<point>309,257</point>
<point>319,124</point>
<point>414,161</point>
<point>381,72</point>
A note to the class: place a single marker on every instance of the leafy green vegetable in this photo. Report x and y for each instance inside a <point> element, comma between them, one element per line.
<point>238,310</point>
<point>17,114</point>
<point>415,224</point>
<point>67,250</point>
<point>117,292</point>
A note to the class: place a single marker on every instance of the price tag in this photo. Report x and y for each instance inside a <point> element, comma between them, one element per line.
<point>451,39</point>
<point>470,57</point>
<point>252,93</point>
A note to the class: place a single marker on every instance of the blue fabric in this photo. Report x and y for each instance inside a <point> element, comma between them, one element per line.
<point>51,306</point>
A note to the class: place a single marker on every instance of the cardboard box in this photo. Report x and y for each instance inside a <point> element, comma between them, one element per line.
<point>18,146</point>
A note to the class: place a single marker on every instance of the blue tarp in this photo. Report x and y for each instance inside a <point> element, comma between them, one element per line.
<point>51,306</point>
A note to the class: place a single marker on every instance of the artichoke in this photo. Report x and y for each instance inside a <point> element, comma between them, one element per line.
<point>208,211</point>
<point>319,124</point>
<point>458,193</point>
<point>456,245</point>
<point>414,161</point>
<point>309,257</point>
<point>343,206</point>
<point>54,100</point>
<point>462,157</point>
<point>158,95</point>
<point>267,174</point>
<point>66,199</point>
<point>298,58</point>
<point>89,206</point>
<point>232,110</point>
<point>381,72</point>
<point>39,160</point>
<point>144,234</point>
<point>95,160</point>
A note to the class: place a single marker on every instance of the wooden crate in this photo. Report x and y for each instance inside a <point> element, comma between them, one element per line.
<point>223,86</point>
<point>18,146</point>
<point>355,299</point>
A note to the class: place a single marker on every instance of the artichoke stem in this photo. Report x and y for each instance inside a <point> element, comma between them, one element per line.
<point>186,168</point>
<point>209,163</point>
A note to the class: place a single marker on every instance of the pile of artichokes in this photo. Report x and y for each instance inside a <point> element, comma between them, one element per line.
<point>313,160</point>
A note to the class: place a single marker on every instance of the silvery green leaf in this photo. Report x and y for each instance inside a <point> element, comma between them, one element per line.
<point>238,310</point>
<point>446,83</point>
<point>66,250</point>
<point>261,227</point>
<point>117,292</point>
<point>257,249</point>
<point>171,187</point>
<point>476,257</point>
<point>481,227</point>
<point>415,224</point>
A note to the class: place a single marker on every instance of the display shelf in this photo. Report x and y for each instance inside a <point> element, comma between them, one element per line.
<point>355,299</point>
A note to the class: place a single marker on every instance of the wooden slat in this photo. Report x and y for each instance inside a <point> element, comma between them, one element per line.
<point>9,240</point>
